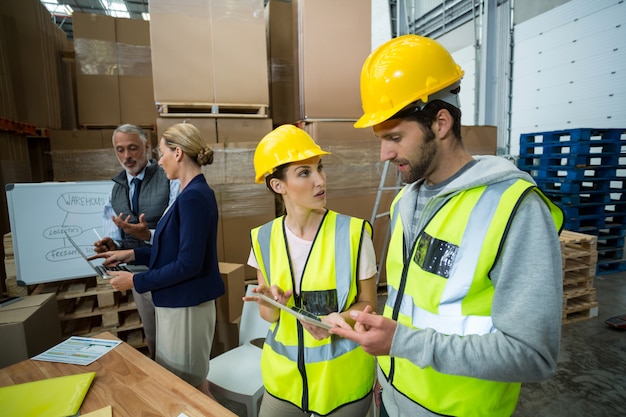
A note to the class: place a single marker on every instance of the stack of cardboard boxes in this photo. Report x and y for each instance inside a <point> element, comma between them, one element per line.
<point>236,70</point>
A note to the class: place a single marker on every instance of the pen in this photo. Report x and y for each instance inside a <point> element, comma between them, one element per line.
<point>97,234</point>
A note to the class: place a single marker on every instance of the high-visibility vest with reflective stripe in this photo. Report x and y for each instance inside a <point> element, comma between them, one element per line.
<point>445,286</point>
<point>315,375</point>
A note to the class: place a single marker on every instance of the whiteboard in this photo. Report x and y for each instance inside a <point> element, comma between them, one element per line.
<point>41,213</point>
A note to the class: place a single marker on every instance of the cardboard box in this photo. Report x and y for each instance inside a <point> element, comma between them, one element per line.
<point>28,327</point>
<point>230,305</point>
<point>480,140</point>
<point>135,76</point>
<point>226,336</point>
<point>242,129</point>
<point>97,84</point>
<point>79,139</point>
<point>322,32</point>
<point>224,58</point>
<point>207,126</point>
<point>181,74</point>
<point>236,232</point>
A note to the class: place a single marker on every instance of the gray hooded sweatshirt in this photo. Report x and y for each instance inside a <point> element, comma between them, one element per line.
<point>527,303</point>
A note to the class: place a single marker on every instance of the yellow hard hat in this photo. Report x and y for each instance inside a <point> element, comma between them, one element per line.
<point>283,145</point>
<point>401,71</point>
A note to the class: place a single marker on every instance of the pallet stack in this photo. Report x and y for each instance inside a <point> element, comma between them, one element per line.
<point>89,306</point>
<point>10,283</point>
<point>580,256</point>
<point>584,172</point>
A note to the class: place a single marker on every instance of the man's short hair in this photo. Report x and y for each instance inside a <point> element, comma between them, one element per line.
<point>132,130</point>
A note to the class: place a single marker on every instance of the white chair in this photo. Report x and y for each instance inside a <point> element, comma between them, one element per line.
<point>236,374</point>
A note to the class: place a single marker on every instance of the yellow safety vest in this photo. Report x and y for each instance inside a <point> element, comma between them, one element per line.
<point>445,286</point>
<point>315,375</point>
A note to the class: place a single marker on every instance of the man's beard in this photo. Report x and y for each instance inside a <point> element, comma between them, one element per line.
<point>420,167</point>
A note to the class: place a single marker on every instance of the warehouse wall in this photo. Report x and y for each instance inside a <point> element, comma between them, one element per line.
<point>563,71</point>
<point>569,69</point>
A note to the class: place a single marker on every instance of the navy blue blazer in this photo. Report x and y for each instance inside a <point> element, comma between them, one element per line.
<point>183,264</point>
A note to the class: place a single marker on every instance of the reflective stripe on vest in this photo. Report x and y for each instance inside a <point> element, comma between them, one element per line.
<point>297,368</point>
<point>460,280</point>
<point>343,261</point>
<point>474,222</point>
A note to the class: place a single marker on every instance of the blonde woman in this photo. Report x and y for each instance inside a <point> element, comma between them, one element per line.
<point>183,270</point>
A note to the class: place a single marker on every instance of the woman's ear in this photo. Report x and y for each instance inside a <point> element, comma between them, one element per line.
<point>277,186</point>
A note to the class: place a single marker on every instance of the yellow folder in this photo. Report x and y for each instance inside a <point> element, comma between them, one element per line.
<point>52,397</point>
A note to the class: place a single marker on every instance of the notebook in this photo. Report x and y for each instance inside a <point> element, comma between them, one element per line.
<point>101,270</point>
<point>52,397</point>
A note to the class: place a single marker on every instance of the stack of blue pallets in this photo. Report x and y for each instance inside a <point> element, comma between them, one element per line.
<point>584,172</point>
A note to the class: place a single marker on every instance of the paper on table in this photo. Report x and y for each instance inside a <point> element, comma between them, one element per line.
<point>78,350</point>
<point>52,397</point>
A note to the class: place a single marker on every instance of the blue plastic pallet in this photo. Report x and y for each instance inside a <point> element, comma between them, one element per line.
<point>572,142</point>
<point>574,187</point>
<point>568,199</point>
<point>576,174</point>
<point>566,149</point>
<point>590,211</point>
<point>610,267</point>
<point>527,162</point>
<point>575,135</point>
<point>580,224</point>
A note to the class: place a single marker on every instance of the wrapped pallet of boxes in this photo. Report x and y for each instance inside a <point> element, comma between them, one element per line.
<point>113,71</point>
<point>224,58</point>
<point>307,39</point>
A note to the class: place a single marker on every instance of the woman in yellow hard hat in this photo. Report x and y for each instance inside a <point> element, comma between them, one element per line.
<point>318,260</point>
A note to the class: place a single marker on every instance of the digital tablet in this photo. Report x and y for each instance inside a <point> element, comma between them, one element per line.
<point>297,312</point>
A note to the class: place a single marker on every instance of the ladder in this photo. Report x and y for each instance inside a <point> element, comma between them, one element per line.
<point>377,215</point>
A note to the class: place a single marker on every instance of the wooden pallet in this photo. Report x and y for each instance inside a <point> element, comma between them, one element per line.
<point>88,306</point>
<point>213,110</point>
<point>578,310</point>
<point>580,256</point>
<point>579,304</point>
<point>113,127</point>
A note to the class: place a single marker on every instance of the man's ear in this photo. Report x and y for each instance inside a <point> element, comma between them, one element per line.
<point>444,123</point>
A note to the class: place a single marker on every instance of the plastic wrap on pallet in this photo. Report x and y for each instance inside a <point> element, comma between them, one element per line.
<point>134,60</point>
<point>84,165</point>
<point>100,57</point>
<point>351,165</point>
<point>240,200</point>
<point>96,57</point>
<point>232,163</point>
<point>196,8</point>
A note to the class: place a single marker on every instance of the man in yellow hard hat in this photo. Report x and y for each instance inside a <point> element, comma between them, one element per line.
<point>474,270</point>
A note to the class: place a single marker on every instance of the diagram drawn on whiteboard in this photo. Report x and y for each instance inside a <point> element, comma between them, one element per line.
<point>40,214</point>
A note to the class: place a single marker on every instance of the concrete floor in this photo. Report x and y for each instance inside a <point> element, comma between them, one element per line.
<point>591,377</point>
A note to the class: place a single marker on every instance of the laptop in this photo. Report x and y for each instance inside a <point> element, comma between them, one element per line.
<point>101,270</point>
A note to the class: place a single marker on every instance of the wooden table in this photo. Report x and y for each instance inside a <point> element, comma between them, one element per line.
<point>129,381</point>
